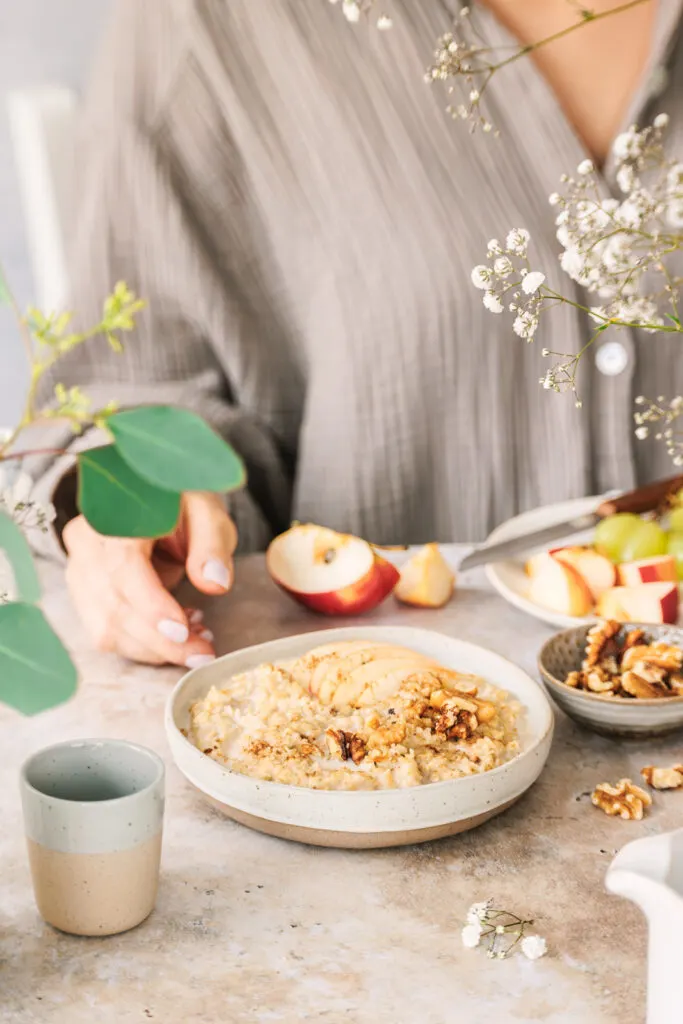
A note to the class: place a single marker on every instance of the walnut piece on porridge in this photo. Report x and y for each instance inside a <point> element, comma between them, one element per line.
<point>663,778</point>
<point>626,800</point>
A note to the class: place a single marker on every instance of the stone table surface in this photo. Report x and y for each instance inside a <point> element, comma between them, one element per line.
<point>254,929</point>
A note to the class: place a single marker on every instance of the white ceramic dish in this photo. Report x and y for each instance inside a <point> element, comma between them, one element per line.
<point>365,819</point>
<point>609,716</point>
<point>509,578</point>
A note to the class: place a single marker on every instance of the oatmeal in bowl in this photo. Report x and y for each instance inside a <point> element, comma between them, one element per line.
<point>356,715</point>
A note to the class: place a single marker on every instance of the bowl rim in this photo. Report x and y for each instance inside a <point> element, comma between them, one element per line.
<point>175,735</point>
<point>635,702</point>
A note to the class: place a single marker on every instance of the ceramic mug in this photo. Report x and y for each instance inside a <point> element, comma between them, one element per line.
<point>93,814</point>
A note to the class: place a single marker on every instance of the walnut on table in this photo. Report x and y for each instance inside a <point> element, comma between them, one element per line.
<point>663,778</point>
<point>626,800</point>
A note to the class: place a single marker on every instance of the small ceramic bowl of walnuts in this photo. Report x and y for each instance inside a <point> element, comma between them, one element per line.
<point>618,679</point>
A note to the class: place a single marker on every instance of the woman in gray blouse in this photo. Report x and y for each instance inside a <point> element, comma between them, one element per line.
<point>302,217</point>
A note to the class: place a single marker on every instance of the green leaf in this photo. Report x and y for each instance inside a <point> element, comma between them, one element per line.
<point>36,672</point>
<point>117,502</point>
<point>18,553</point>
<point>175,448</point>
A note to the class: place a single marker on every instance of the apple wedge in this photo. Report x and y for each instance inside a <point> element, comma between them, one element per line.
<point>427,580</point>
<point>558,587</point>
<point>650,602</point>
<point>598,572</point>
<point>660,569</point>
<point>329,572</point>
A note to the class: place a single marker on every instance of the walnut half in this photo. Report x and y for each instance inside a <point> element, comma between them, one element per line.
<point>345,745</point>
<point>663,778</point>
<point>625,799</point>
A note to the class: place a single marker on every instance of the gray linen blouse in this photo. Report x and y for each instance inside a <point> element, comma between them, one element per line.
<point>303,216</point>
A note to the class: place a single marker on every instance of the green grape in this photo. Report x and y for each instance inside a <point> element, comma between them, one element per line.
<point>676,549</point>
<point>646,541</point>
<point>612,533</point>
<point>676,520</point>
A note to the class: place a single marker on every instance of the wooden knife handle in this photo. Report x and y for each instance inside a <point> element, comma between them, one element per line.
<point>644,499</point>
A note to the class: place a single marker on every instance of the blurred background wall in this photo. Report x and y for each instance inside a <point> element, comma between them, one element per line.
<point>41,42</point>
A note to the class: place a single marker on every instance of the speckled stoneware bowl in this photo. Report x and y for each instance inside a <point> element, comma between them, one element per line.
<point>610,716</point>
<point>365,819</point>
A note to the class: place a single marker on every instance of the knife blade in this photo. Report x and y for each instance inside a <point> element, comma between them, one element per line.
<point>644,499</point>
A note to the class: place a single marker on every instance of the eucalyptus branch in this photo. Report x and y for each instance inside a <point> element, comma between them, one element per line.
<point>52,342</point>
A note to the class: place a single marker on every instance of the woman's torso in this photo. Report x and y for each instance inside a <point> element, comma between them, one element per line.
<point>415,413</point>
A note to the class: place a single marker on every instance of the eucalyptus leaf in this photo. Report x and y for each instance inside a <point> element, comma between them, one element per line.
<point>118,502</point>
<point>36,672</point>
<point>175,448</point>
<point>18,554</point>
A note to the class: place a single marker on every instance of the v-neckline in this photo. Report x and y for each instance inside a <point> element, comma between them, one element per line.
<point>666,23</point>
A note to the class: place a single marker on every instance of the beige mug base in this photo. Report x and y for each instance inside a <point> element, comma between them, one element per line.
<point>95,893</point>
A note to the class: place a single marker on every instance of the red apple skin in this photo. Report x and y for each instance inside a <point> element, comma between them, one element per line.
<point>625,604</point>
<point>359,597</point>
<point>661,569</point>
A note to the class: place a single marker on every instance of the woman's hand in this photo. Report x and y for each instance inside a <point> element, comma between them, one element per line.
<point>120,587</point>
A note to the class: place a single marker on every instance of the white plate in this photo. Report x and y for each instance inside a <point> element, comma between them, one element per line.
<point>509,577</point>
<point>367,818</point>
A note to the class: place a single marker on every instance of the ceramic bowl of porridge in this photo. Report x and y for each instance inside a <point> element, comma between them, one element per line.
<point>360,737</point>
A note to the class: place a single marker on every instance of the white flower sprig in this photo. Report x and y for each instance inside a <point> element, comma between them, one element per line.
<point>15,501</point>
<point>500,932</point>
<point>619,250</point>
<point>352,10</point>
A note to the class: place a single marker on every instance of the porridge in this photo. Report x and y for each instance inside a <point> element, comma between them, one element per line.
<point>356,715</point>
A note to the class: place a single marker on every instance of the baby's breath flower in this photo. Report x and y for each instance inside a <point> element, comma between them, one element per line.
<point>351,10</point>
<point>534,947</point>
<point>478,912</point>
<point>554,198</point>
<point>532,282</point>
<point>585,167</point>
<point>384,23</point>
<point>518,241</point>
<point>471,934</point>
<point>492,302</point>
<point>503,266</point>
<point>642,433</point>
<point>661,121</point>
<point>481,275</point>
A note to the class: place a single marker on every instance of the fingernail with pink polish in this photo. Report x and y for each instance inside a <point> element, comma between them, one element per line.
<point>195,616</point>
<point>206,634</point>
<point>215,571</point>
<point>198,660</point>
<point>175,631</point>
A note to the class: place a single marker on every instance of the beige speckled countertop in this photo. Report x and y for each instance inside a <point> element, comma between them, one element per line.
<point>253,929</point>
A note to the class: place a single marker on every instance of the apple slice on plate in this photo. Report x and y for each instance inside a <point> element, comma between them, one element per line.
<point>599,574</point>
<point>649,602</point>
<point>427,580</point>
<point>660,569</point>
<point>329,572</point>
<point>559,587</point>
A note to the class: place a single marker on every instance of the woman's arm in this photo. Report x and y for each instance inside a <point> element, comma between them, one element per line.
<point>135,220</point>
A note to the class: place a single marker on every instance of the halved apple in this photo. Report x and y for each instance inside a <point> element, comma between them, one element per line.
<point>660,569</point>
<point>557,586</point>
<point>649,602</point>
<point>427,580</point>
<point>329,572</point>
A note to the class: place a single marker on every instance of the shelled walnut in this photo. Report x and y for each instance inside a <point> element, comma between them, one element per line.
<point>663,778</point>
<point>626,800</point>
<point>628,665</point>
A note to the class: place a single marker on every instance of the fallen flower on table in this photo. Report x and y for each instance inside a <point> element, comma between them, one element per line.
<point>500,932</point>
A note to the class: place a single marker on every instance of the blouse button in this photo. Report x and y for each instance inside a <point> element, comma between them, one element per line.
<point>611,358</point>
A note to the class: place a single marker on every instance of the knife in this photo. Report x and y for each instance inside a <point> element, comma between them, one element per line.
<point>644,499</point>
